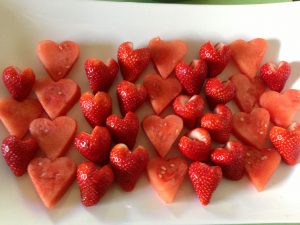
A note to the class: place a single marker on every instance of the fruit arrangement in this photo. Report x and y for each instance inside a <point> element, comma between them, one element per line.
<point>212,141</point>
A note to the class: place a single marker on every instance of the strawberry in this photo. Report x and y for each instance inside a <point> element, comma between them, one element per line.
<point>52,178</point>
<point>281,106</point>
<point>93,183</point>
<point>161,92</point>
<point>191,76</point>
<point>132,62</point>
<point>162,132</point>
<point>287,143</point>
<point>18,84</point>
<point>166,176</point>
<point>218,92</point>
<point>248,55</point>
<point>260,165</point>
<point>130,96</point>
<point>231,159</point>
<point>57,98</point>
<point>205,179</point>
<point>99,75</point>
<point>196,145</point>
<point>18,153</point>
<point>218,124</point>
<point>248,91</point>
<point>94,147</point>
<point>96,108</point>
<point>128,166</point>
<point>166,54</point>
<point>252,128</point>
<point>189,109</point>
<point>275,76</point>
<point>124,130</point>
<point>217,57</point>
<point>58,58</point>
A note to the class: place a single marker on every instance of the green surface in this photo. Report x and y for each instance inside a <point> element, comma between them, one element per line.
<point>209,1</point>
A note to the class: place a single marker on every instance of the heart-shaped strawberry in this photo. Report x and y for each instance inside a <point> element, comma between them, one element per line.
<point>166,54</point>
<point>58,58</point>
<point>52,178</point>
<point>189,109</point>
<point>16,116</point>
<point>54,137</point>
<point>287,144</point>
<point>166,176</point>
<point>93,183</point>
<point>248,55</point>
<point>191,76</point>
<point>219,92</point>
<point>161,92</point>
<point>130,96</point>
<point>96,108</point>
<point>196,145</point>
<point>132,62</point>
<point>248,91</point>
<point>57,98</point>
<point>124,130</point>
<point>217,57</point>
<point>162,132</point>
<point>231,159</point>
<point>275,76</point>
<point>18,83</point>
<point>281,106</point>
<point>99,75</point>
<point>218,124</point>
<point>252,128</point>
<point>18,153</point>
<point>94,147</point>
<point>128,166</point>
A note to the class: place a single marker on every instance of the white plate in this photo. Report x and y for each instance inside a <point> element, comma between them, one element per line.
<point>100,27</point>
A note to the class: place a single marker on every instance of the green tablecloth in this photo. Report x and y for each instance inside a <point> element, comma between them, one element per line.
<point>209,1</point>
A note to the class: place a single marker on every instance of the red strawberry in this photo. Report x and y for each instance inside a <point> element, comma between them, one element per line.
<point>281,106</point>
<point>128,166</point>
<point>58,58</point>
<point>275,76</point>
<point>196,145</point>
<point>124,130</point>
<point>54,137</point>
<point>189,109</point>
<point>99,75</point>
<point>57,98</point>
<point>218,124</point>
<point>18,84</point>
<point>218,92</point>
<point>162,132</point>
<point>231,159</point>
<point>130,96</point>
<point>52,178</point>
<point>247,91</point>
<point>96,108</point>
<point>217,57</point>
<point>252,128</point>
<point>93,183</point>
<point>248,55</point>
<point>191,76</point>
<point>16,116</point>
<point>18,153</point>
<point>132,62</point>
<point>287,143</point>
<point>260,165</point>
<point>94,147</point>
<point>166,54</point>
<point>166,176</point>
<point>205,179</point>
<point>161,92</point>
